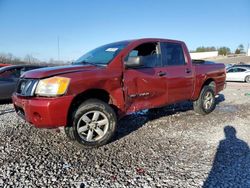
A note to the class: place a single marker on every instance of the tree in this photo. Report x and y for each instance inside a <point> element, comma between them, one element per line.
<point>6,58</point>
<point>2,58</point>
<point>240,49</point>
<point>10,56</point>
<point>205,49</point>
<point>223,50</point>
<point>29,59</point>
<point>237,51</point>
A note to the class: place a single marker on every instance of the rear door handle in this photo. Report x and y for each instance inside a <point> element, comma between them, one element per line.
<point>162,73</point>
<point>188,71</point>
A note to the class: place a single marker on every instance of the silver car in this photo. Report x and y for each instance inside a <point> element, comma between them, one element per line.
<point>241,74</point>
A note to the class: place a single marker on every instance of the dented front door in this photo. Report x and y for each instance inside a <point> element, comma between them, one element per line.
<point>144,88</point>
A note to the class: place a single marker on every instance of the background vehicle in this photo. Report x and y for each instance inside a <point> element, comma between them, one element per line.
<point>114,80</point>
<point>242,65</point>
<point>228,66</point>
<point>238,73</point>
<point>9,76</point>
<point>3,65</point>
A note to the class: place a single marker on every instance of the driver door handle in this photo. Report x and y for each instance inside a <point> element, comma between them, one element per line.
<point>188,70</point>
<point>162,73</point>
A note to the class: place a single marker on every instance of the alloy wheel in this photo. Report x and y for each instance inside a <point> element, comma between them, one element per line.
<point>208,100</point>
<point>92,126</point>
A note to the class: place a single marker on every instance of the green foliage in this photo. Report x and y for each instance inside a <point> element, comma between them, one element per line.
<point>224,50</point>
<point>205,49</point>
<point>240,49</point>
<point>237,51</point>
<point>221,50</point>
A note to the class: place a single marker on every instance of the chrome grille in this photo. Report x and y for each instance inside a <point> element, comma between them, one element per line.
<point>26,87</point>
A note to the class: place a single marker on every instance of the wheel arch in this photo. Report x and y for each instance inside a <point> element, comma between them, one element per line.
<point>100,94</point>
<point>210,82</point>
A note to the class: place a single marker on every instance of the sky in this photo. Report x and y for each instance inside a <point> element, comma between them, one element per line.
<point>34,26</point>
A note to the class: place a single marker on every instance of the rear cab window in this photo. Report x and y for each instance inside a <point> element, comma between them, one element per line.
<point>172,54</point>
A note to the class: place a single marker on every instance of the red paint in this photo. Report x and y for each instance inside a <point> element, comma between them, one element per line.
<point>177,85</point>
<point>140,171</point>
<point>3,65</point>
<point>44,112</point>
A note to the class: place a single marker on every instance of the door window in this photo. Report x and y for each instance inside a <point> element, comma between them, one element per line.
<point>172,54</point>
<point>231,70</point>
<point>241,70</point>
<point>149,54</point>
<point>10,74</point>
<point>236,70</point>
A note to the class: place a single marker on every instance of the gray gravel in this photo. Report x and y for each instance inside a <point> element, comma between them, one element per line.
<point>232,60</point>
<point>161,148</point>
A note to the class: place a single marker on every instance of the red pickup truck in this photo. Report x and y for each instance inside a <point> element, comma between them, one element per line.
<point>89,96</point>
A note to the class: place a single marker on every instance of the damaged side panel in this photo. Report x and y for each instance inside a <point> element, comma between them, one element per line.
<point>109,81</point>
<point>146,89</point>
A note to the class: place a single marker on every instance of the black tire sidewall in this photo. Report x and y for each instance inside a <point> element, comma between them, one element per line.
<point>97,105</point>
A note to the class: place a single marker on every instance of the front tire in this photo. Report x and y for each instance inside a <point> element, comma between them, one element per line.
<point>247,79</point>
<point>206,101</point>
<point>93,124</point>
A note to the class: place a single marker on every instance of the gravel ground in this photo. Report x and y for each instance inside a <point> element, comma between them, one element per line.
<point>232,60</point>
<point>171,147</point>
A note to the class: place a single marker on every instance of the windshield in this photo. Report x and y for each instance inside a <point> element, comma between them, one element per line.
<point>102,55</point>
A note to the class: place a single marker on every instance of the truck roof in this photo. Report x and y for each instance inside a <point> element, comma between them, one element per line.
<point>156,39</point>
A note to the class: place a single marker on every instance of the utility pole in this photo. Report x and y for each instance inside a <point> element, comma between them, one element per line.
<point>58,48</point>
<point>248,50</point>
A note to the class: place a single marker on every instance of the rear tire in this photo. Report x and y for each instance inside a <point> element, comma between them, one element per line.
<point>247,79</point>
<point>93,124</point>
<point>206,101</point>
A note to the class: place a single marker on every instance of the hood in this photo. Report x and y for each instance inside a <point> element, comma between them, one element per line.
<point>57,70</point>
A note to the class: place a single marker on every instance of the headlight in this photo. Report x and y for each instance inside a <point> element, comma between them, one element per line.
<point>53,86</point>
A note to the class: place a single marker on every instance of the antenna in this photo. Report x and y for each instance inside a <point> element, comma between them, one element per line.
<point>58,48</point>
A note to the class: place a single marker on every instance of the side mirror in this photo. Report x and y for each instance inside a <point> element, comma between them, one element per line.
<point>134,62</point>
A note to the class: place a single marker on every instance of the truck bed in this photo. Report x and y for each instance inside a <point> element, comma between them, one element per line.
<point>211,70</point>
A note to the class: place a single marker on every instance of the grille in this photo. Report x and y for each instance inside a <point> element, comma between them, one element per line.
<point>26,87</point>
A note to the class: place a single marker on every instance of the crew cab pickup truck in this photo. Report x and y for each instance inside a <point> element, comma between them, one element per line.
<point>88,97</point>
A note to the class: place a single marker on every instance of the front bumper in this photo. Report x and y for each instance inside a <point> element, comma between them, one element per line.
<point>43,112</point>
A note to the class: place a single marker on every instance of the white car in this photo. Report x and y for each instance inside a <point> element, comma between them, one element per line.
<point>241,74</point>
